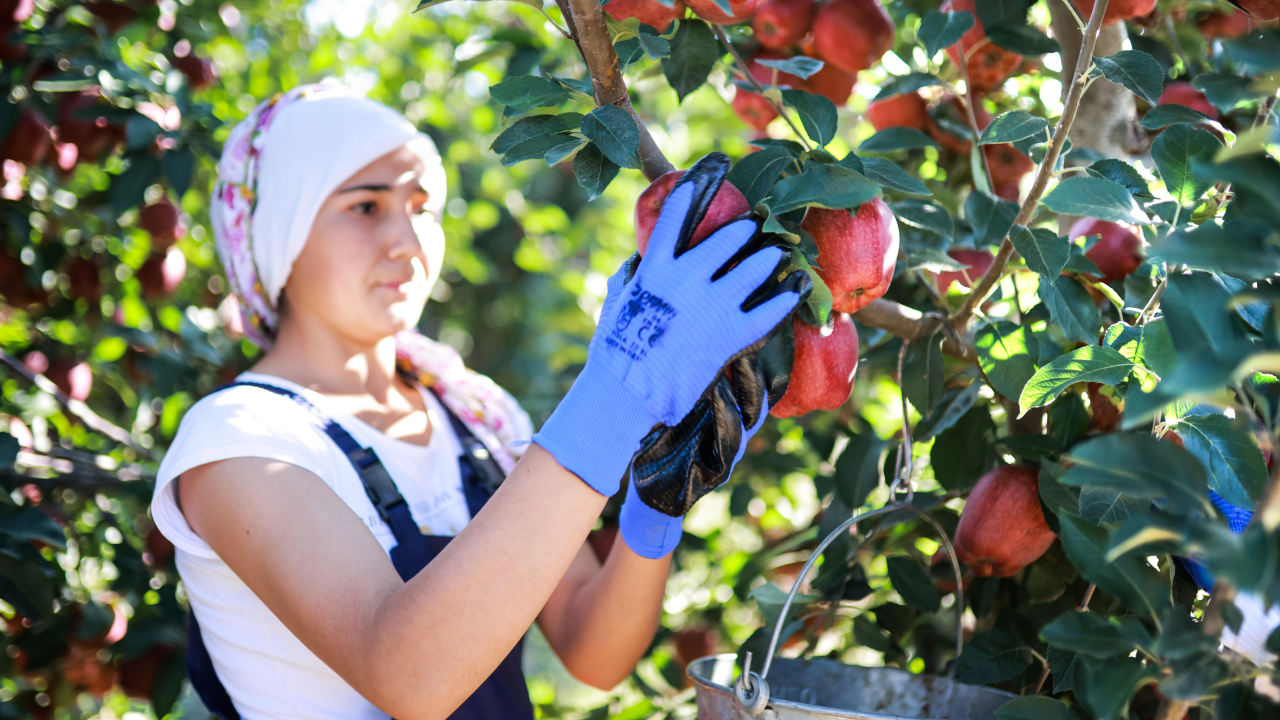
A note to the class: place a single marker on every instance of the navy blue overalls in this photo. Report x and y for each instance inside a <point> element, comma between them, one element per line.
<point>503,694</point>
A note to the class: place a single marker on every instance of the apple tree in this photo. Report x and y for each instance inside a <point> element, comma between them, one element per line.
<point>1042,240</point>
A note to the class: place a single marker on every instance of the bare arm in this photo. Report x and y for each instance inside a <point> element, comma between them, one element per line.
<point>299,547</point>
<point>600,620</point>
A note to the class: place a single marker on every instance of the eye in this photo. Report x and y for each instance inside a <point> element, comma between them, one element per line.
<point>367,207</point>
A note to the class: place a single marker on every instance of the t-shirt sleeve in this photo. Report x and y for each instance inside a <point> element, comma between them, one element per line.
<point>234,423</point>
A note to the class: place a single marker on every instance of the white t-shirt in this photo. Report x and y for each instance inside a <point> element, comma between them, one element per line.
<point>267,671</point>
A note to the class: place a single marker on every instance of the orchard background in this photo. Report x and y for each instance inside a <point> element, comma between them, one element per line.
<point>1080,342</point>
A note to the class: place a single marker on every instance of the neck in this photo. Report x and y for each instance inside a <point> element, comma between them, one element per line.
<point>311,354</point>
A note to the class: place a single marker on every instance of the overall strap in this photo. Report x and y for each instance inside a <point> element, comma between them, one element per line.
<point>484,469</point>
<point>382,491</point>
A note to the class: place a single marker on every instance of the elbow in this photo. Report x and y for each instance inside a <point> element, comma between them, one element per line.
<point>600,678</point>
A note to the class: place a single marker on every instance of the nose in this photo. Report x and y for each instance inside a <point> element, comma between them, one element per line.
<point>403,242</point>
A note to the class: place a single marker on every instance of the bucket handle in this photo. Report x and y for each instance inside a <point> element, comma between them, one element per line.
<point>751,689</point>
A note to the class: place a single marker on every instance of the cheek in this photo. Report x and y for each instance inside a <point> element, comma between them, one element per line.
<point>431,235</point>
<point>333,267</point>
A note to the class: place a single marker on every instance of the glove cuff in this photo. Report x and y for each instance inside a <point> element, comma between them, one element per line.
<point>646,531</point>
<point>596,429</point>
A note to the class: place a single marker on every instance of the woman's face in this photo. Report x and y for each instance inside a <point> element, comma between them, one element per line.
<point>372,255</point>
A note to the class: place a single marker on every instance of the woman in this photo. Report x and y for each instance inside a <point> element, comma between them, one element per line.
<point>311,503</point>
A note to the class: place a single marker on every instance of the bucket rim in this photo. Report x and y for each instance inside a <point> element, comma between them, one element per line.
<point>702,682</point>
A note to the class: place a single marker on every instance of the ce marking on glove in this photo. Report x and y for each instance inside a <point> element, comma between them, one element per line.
<point>642,322</point>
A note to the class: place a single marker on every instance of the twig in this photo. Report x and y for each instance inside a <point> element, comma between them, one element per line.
<point>746,70</point>
<point>1044,675</point>
<point>77,408</point>
<point>1088,595</point>
<point>586,21</point>
<point>1072,105</point>
<point>1150,308</point>
<point>1177,44</point>
<point>1171,709</point>
<point>973,118</point>
<point>911,324</point>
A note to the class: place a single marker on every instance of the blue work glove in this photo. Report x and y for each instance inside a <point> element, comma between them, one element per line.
<point>677,466</point>
<point>665,333</point>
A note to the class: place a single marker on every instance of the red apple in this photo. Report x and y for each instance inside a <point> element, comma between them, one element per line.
<point>1118,250</point>
<point>1008,166</point>
<point>708,10</point>
<point>27,139</point>
<point>1184,93</point>
<point>832,83</point>
<point>161,273</point>
<point>159,547</point>
<point>1105,411</point>
<point>1227,25</point>
<point>649,12</point>
<point>989,64</point>
<point>753,109</point>
<point>825,364</point>
<point>1261,10</point>
<point>953,109</point>
<point>977,262</point>
<point>852,34</point>
<point>75,380</point>
<point>857,251</point>
<point>139,674</point>
<point>906,110</point>
<point>92,136</point>
<point>85,279</point>
<point>694,642</point>
<point>1117,10</point>
<point>782,23</point>
<point>728,204</point>
<point>161,220</point>
<point>1002,528</point>
<point>14,285</point>
<point>112,14</point>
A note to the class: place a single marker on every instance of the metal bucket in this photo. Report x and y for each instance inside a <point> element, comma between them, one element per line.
<point>818,689</point>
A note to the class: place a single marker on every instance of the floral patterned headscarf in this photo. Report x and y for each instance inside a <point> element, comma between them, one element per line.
<point>278,166</point>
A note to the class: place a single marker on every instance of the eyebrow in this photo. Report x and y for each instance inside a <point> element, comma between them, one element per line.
<point>375,187</point>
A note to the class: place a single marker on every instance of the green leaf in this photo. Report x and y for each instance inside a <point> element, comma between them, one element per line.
<point>654,45</point>
<point>1071,308</point>
<point>858,468</point>
<point>966,451</point>
<point>954,404</point>
<point>991,657</point>
<point>1162,116</point>
<point>1142,467</point>
<point>1068,419</point>
<point>756,172</point>
<point>539,147</point>
<point>913,584</point>
<point>924,214</point>
<point>614,131</point>
<point>891,139</point>
<point>1123,173</point>
<point>771,598</point>
<point>1065,666</point>
<point>1129,579</point>
<point>564,151</point>
<point>1242,250</point>
<point>800,66</point>
<point>1257,172</point>
<point>1112,685</point>
<point>922,373</point>
<point>1173,152</point>
<point>1196,309</point>
<point>694,52</point>
<point>1136,70</point>
<point>995,12</point>
<point>887,174</point>
<point>1095,197</point>
<point>1044,251</point>
<point>526,92</point>
<point>991,217</point>
<point>1158,353</point>
<point>29,523</point>
<point>1092,634</point>
<point>1012,126</point>
<point>9,448</point>
<point>1237,470</point>
<point>1091,363</point>
<point>1101,506</point>
<point>128,189</point>
<point>829,186</point>
<point>593,170</point>
<point>940,30</point>
<point>1224,91</point>
<point>1004,356</point>
<point>817,114</point>
<point>179,165</point>
<point>1022,38</point>
<point>909,83</point>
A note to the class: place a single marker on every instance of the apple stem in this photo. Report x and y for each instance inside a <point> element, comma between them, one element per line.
<point>586,21</point>
<point>746,71</point>
<point>1044,171</point>
<point>77,408</point>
